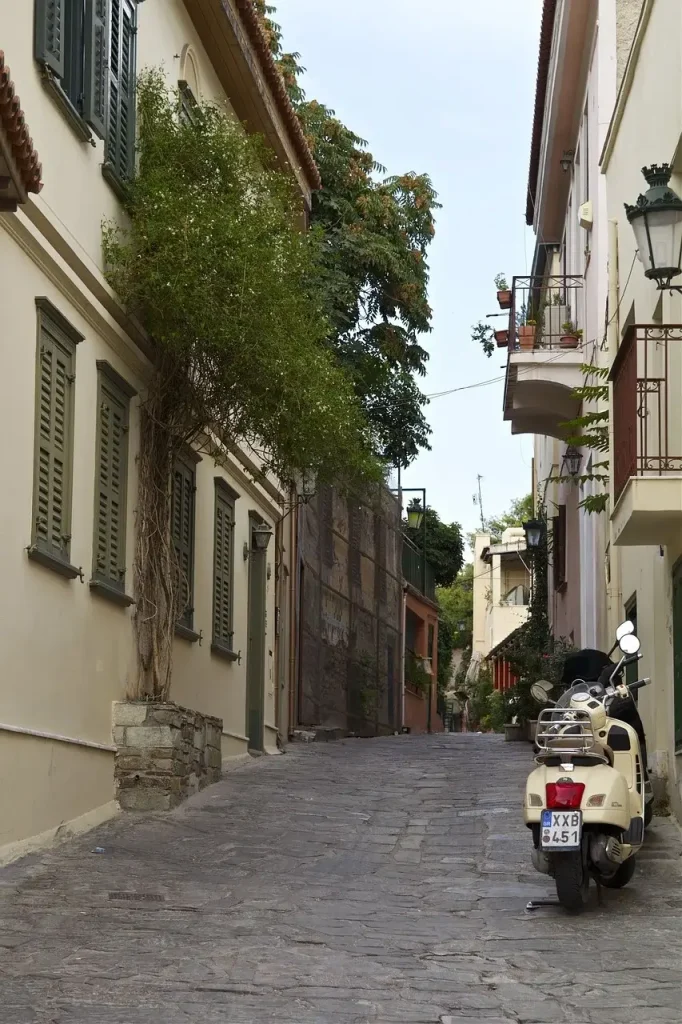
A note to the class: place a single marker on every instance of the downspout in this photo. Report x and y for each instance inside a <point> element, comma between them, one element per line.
<point>403,618</point>
<point>293,610</point>
<point>612,336</point>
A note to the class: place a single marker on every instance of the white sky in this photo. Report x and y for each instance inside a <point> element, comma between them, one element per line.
<point>444,87</point>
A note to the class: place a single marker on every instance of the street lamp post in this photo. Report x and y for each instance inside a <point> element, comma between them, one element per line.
<point>656,220</point>
<point>416,518</point>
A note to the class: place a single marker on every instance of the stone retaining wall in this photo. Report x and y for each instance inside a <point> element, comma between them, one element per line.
<point>164,753</point>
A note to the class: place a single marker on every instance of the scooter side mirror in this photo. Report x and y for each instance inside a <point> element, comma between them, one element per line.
<point>539,693</point>
<point>624,629</point>
<point>629,644</point>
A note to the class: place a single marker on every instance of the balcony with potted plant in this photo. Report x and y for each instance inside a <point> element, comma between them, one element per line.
<point>545,353</point>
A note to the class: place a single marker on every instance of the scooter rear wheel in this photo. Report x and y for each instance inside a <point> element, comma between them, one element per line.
<point>572,880</point>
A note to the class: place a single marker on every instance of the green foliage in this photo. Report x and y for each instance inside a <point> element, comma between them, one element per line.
<point>444,546</point>
<point>478,703</point>
<point>456,603</point>
<point>214,268</point>
<point>498,711</point>
<point>501,283</point>
<point>531,651</point>
<point>591,430</point>
<point>482,334</point>
<point>520,511</point>
<point>445,648</point>
<point>373,234</point>
<point>415,674</point>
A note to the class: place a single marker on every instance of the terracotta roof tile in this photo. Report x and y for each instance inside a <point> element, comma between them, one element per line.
<point>13,123</point>
<point>274,79</point>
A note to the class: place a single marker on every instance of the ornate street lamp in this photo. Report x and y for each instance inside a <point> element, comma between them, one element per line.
<point>534,530</point>
<point>572,460</point>
<point>656,220</point>
<point>415,514</point>
<point>260,538</point>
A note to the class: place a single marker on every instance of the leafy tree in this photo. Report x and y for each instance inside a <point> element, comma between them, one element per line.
<point>520,511</point>
<point>444,546</point>
<point>456,604</point>
<point>373,234</point>
<point>213,267</point>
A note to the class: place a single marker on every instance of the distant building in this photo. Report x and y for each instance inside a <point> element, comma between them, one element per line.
<point>501,596</point>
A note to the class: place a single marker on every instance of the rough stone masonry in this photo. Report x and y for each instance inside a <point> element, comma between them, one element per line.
<point>359,882</point>
<point>164,753</point>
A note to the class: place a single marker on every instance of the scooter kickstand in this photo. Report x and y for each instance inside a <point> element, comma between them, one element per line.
<point>538,904</point>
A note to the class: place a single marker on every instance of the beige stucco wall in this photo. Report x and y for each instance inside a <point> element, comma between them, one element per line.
<point>67,654</point>
<point>493,579</point>
<point>646,129</point>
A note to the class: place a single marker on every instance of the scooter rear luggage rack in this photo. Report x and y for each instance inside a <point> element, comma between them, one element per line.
<point>564,731</point>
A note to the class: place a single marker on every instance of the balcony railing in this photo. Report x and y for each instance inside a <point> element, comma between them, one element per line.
<point>647,403</point>
<point>416,572</point>
<point>550,303</point>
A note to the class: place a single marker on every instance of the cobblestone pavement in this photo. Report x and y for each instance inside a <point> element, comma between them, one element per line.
<point>361,881</point>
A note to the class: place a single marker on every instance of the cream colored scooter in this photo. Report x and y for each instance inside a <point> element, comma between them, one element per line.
<point>585,801</point>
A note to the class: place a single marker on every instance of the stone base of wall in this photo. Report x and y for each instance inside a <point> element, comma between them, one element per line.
<point>164,753</point>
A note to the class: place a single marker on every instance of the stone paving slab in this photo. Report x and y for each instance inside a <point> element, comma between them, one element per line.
<point>361,882</point>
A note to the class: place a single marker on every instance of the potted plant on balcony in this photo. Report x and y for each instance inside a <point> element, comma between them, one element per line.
<point>502,338</point>
<point>570,335</point>
<point>504,295</point>
<point>527,335</point>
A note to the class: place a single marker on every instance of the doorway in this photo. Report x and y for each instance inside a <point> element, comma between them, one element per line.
<point>677,653</point>
<point>255,651</point>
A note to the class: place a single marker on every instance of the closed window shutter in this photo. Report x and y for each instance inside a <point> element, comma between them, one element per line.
<point>222,571</point>
<point>49,34</point>
<point>112,471</point>
<point>54,439</point>
<point>96,39</point>
<point>120,146</point>
<point>182,529</point>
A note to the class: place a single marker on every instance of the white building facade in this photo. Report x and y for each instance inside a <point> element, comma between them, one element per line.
<point>75,368</point>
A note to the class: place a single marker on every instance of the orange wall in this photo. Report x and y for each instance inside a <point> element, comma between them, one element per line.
<point>416,705</point>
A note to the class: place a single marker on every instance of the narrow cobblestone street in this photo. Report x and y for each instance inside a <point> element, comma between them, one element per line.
<point>361,881</point>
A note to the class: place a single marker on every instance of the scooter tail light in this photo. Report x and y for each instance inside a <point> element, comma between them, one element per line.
<point>564,796</point>
<point>597,800</point>
<point>534,800</point>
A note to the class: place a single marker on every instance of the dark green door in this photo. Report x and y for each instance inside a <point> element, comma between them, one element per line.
<point>255,652</point>
<point>677,652</point>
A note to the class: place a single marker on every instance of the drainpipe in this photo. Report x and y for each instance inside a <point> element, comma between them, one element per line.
<point>613,335</point>
<point>403,617</point>
<point>293,610</point>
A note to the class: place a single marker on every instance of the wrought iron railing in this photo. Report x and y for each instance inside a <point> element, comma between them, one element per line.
<point>546,313</point>
<point>416,571</point>
<point>647,403</point>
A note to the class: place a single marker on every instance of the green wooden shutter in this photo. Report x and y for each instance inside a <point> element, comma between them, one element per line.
<point>49,34</point>
<point>120,148</point>
<point>54,444</point>
<point>110,486</point>
<point>182,530</point>
<point>222,570</point>
<point>95,75</point>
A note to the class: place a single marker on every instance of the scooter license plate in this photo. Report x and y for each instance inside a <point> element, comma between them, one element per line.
<point>561,830</point>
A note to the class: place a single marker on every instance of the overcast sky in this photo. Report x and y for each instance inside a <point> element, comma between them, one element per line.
<point>444,87</point>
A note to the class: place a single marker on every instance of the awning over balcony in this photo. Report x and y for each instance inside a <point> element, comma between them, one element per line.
<point>20,168</point>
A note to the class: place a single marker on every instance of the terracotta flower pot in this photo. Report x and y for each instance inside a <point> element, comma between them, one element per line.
<point>569,341</point>
<point>527,337</point>
<point>504,298</point>
<point>502,338</point>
